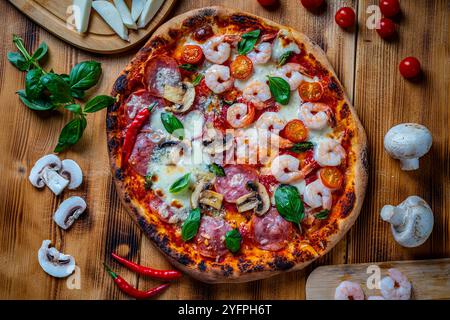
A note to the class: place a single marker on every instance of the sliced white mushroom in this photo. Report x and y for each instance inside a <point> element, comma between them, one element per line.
<point>71,171</point>
<point>408,142</point>
<point>54,181</point>
<point>411,221</point>
<point>125,14</point>
<point>136,9</point>
<point>257,200</point>
<point>182,96</point>
<point>151,7</point>
<point>53,262</point>
<point>49,161</point>
<point>69,211</point>
<point>81,13</point>
<point>111,15</point>
<point>211,198</point>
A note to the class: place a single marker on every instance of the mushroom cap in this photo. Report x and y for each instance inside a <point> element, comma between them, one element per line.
<point>68,211</point>
<point>53,262</point>
<point>407,141</point>
<point>48,161</point>
<point>71,171</point>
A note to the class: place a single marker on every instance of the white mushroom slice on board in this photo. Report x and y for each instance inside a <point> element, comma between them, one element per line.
<point>125,14</point>
<point>53,262</point>
<point>111,15</point>
<point>81,13</point>
<point>71,171</point>
<point>69,211</point>
<point>50,161</point>
<point>54,181</point>
<point>148,12</point>
<point>136,9</point>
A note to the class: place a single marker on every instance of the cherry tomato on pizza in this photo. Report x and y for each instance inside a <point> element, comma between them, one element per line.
<point>192,54</point>
<point>241,67</point>
<point>331,177</point>
<point>310,91</point>
<point>295,131</point>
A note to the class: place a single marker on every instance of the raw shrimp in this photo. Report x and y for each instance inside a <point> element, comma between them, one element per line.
<point>240,115</point>
<point>315,115</point>
<point>317,195</point>
<point>270,121</point>
<point>261,54</point>
<point>395,286</point>
<point>285,169</point>
<point>329,152</point>
<point>218,79</point>
<point>291,73</point>
<point>348,290</point>
<point>257,92</point>
<point>217,50</point>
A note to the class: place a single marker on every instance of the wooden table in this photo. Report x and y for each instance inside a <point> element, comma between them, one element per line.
<point>365,63</point>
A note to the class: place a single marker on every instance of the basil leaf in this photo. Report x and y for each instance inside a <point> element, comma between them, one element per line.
<point>248,41</point>
<point>37,105</point>
<point>289,204</point>
<point>40,52</point>
<point>217,170</point>
<point>58,88</point>
<point>78,94</point>
<point>180,184</point>
<point>284,58</point>
<point>197,79</point>
<point>33,85</point>
<point>302,147</point>
<point>188,67</point>
<point>75,108</point>
<point>71,133</point>
<point>280,89</point>
<point>148,182</point>
<point>172,124</point>
<point>85,75</point>
<point>190,226</point>
<point>98,103</point>
<point>17,60</point>
<point>322,215</point>
<point>233,240</point>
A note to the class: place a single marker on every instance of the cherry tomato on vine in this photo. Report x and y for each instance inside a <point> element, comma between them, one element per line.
<point>331,177</point>
<point>241,67</point>
<point>192,54</point>
<point>295,131</point>
<point>389,8</point>
<point>310,91</point>
<point>387,28</point>
<point>410,68</point>
<point>345,17</point>
<point>312,5</point>
<point>268,3</point>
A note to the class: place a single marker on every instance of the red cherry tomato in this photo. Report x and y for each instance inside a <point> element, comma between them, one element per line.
<point>310,91</point>
<point>192,54</point>
<point>345,17</point>
<point>268,3</point>
<point>387,28</point>
<point>241,67</point>
<point>410,67</point>
<point>295,131</point>
<point>312,5</point>
<point>331,177</point>
<point>389,8</point>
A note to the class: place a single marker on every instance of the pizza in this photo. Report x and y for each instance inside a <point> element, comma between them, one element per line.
<point>234,147</point>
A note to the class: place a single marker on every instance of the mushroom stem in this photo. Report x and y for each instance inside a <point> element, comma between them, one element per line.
<point>393,215</point>
<point>409,164</point>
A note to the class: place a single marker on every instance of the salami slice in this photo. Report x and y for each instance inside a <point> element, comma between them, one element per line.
<point>141,153</point>
<point>271,231</point>
<point>137,101</point>
<point>210,238</point>
<point>234,184</point>
<point>160,71</point>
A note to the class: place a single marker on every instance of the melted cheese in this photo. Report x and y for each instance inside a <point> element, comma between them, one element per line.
<point>283,43</point>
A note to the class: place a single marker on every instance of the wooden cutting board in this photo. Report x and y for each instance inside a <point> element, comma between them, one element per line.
<point>100,38</point>
<point>430,279</point>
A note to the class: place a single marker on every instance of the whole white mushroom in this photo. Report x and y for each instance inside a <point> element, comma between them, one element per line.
<point>408,142</point>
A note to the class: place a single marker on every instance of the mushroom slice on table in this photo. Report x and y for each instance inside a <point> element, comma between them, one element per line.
<point>69,211</point>
<point>45,172</point>
<point>411,221</point>
<point>408,142</point>
<point>55,263</point>
<point>71,171</point>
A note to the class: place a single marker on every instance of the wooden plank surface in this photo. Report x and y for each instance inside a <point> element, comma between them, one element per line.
<point>430,279</point>
<point>366,65</point>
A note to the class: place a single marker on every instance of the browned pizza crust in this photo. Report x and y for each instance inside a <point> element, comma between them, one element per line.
<point>245,271</point>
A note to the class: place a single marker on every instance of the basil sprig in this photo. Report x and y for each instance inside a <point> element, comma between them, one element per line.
<point>48,90</point>
<point>302,147</point>
<point>188,67</point>
<point>233,240</point>
<point>216,169</point>
<point>322,215</point>
<point>285,57</point>
<point>289,204</point>
<point>198,78</point>
<point>172,125</point>
<point>190,226</point>
<point>180,184</point>
<point>248,41</point>
<point>280,89</point>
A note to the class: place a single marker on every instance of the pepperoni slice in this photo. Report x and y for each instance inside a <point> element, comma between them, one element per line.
<point>141,153</point>
<point>234,184</point>
<point>271,231</point>
<point>137,101</point>
<point>161,71</point>
<point>210,238</point>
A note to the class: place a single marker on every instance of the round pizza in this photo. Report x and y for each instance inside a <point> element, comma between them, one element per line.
<point>234,147</point>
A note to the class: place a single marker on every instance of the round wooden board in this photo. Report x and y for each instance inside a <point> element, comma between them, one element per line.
<point>99,38</point>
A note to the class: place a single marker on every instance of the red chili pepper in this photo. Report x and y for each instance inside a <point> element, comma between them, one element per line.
<point>132,132</point>
<point>131,291</point>
<point>147,271</point>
